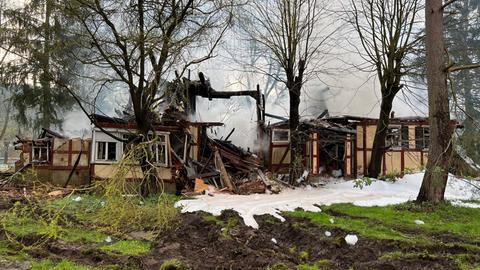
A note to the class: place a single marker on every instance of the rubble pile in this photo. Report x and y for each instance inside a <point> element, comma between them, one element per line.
<point>225,167</point>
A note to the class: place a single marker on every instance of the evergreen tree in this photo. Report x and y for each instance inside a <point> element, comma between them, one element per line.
<point>39,41</point>
<point>462,36</point>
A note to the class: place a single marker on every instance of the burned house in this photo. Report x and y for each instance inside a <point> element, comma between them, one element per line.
<point>55,158</point>
<point>326,146</point>
<point>342,145</point>
<point>179,141</point>
<point>182,146</point>
<point>183,149</point>
<point>406,143</point>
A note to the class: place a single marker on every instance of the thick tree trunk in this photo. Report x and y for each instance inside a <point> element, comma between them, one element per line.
<point>441,129</point>
<point>151,184</point>
<point>375,165</point>
<point>294,85</point>
<point>296,165</point>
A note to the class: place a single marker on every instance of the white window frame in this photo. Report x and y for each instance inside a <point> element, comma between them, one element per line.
<point>280,130</point>
<point>44,148</point>
<point>165,145</point>
<point>100,136</point>
<point>105,159</point>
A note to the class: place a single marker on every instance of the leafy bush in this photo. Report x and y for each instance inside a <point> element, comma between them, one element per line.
<point>124,209</point>
<point>391,176</point>
<point>362,182</point>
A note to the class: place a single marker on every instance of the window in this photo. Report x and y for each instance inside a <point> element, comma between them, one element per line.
<point>280,135</point>
<point>159,150</point>
<point>397,137</point>
<point>393,137</point>
<point>107,151</point>
<point>40,154</point>
<point>404,138</point>
<point>422,137</point>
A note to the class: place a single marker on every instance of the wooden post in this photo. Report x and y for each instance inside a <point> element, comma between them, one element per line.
<point>260,108</point>
<point>224,176</point>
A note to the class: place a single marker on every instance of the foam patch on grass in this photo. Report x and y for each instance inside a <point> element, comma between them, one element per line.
<point>379,193</point>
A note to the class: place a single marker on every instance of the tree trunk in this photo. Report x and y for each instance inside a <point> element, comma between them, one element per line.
<point>296,160</point>
<point>441,129</point>
<point>150,182</point>
<point>375,165</point>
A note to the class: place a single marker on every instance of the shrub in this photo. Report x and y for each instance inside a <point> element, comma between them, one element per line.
<point>362,182</point>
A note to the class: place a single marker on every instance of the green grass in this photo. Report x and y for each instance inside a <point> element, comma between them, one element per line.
<point>62,265</point>
<point>226,226</point>
<point>22,227</point>
<point>173,264</point>
<point>128,247</point>
<point>397,222</point>
<point>319,265</point>
<point>82,235</point>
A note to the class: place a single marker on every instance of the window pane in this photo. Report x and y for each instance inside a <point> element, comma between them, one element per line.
<point>112,151</point>
<point>101,150</point>
<point>419,138</point>
<point>36,153</point>
<point>280,135</point>
<point>43,154</point>
<point>426,137</point>
<point>162,157</point>
<point>393,137</point>
<point>405,139</point>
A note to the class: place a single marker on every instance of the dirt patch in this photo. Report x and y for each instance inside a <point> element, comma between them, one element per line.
<point>203,244</point>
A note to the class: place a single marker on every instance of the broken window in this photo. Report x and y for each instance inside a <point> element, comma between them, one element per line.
<point>280,135</point>
<point>40,154</point>
<point>159,150</point>
<point>107,151</point>
<point>397,137</point>
<point>404,138</point>
<point>422,137</point>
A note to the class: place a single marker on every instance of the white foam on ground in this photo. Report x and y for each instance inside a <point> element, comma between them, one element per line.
<point>379,193</point>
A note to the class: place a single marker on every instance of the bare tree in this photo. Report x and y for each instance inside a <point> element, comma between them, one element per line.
<point>139,43</point>
<point>292,33</point>
<point>386,32</point>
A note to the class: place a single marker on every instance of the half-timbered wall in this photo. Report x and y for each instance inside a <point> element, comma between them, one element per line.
<point>395,159</point>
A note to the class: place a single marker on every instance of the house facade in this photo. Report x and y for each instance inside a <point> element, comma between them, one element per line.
<point>346,149</point>
<point>54,157</point>
<point>325,147</point>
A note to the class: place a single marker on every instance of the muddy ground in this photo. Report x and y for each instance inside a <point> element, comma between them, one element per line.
<point>201,241</point>
<point>201,244</point>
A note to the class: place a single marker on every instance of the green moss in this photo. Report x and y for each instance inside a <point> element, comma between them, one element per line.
<point>173,264</point>
<point>62,265</point>
<point>406,255</point>
<point>302,256</point>
<point>231,223</point>
<point>319,265</point>
<point>128,247</point>
<point>214,219</point>
<point>466,261</point>
<point>226,226</point>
